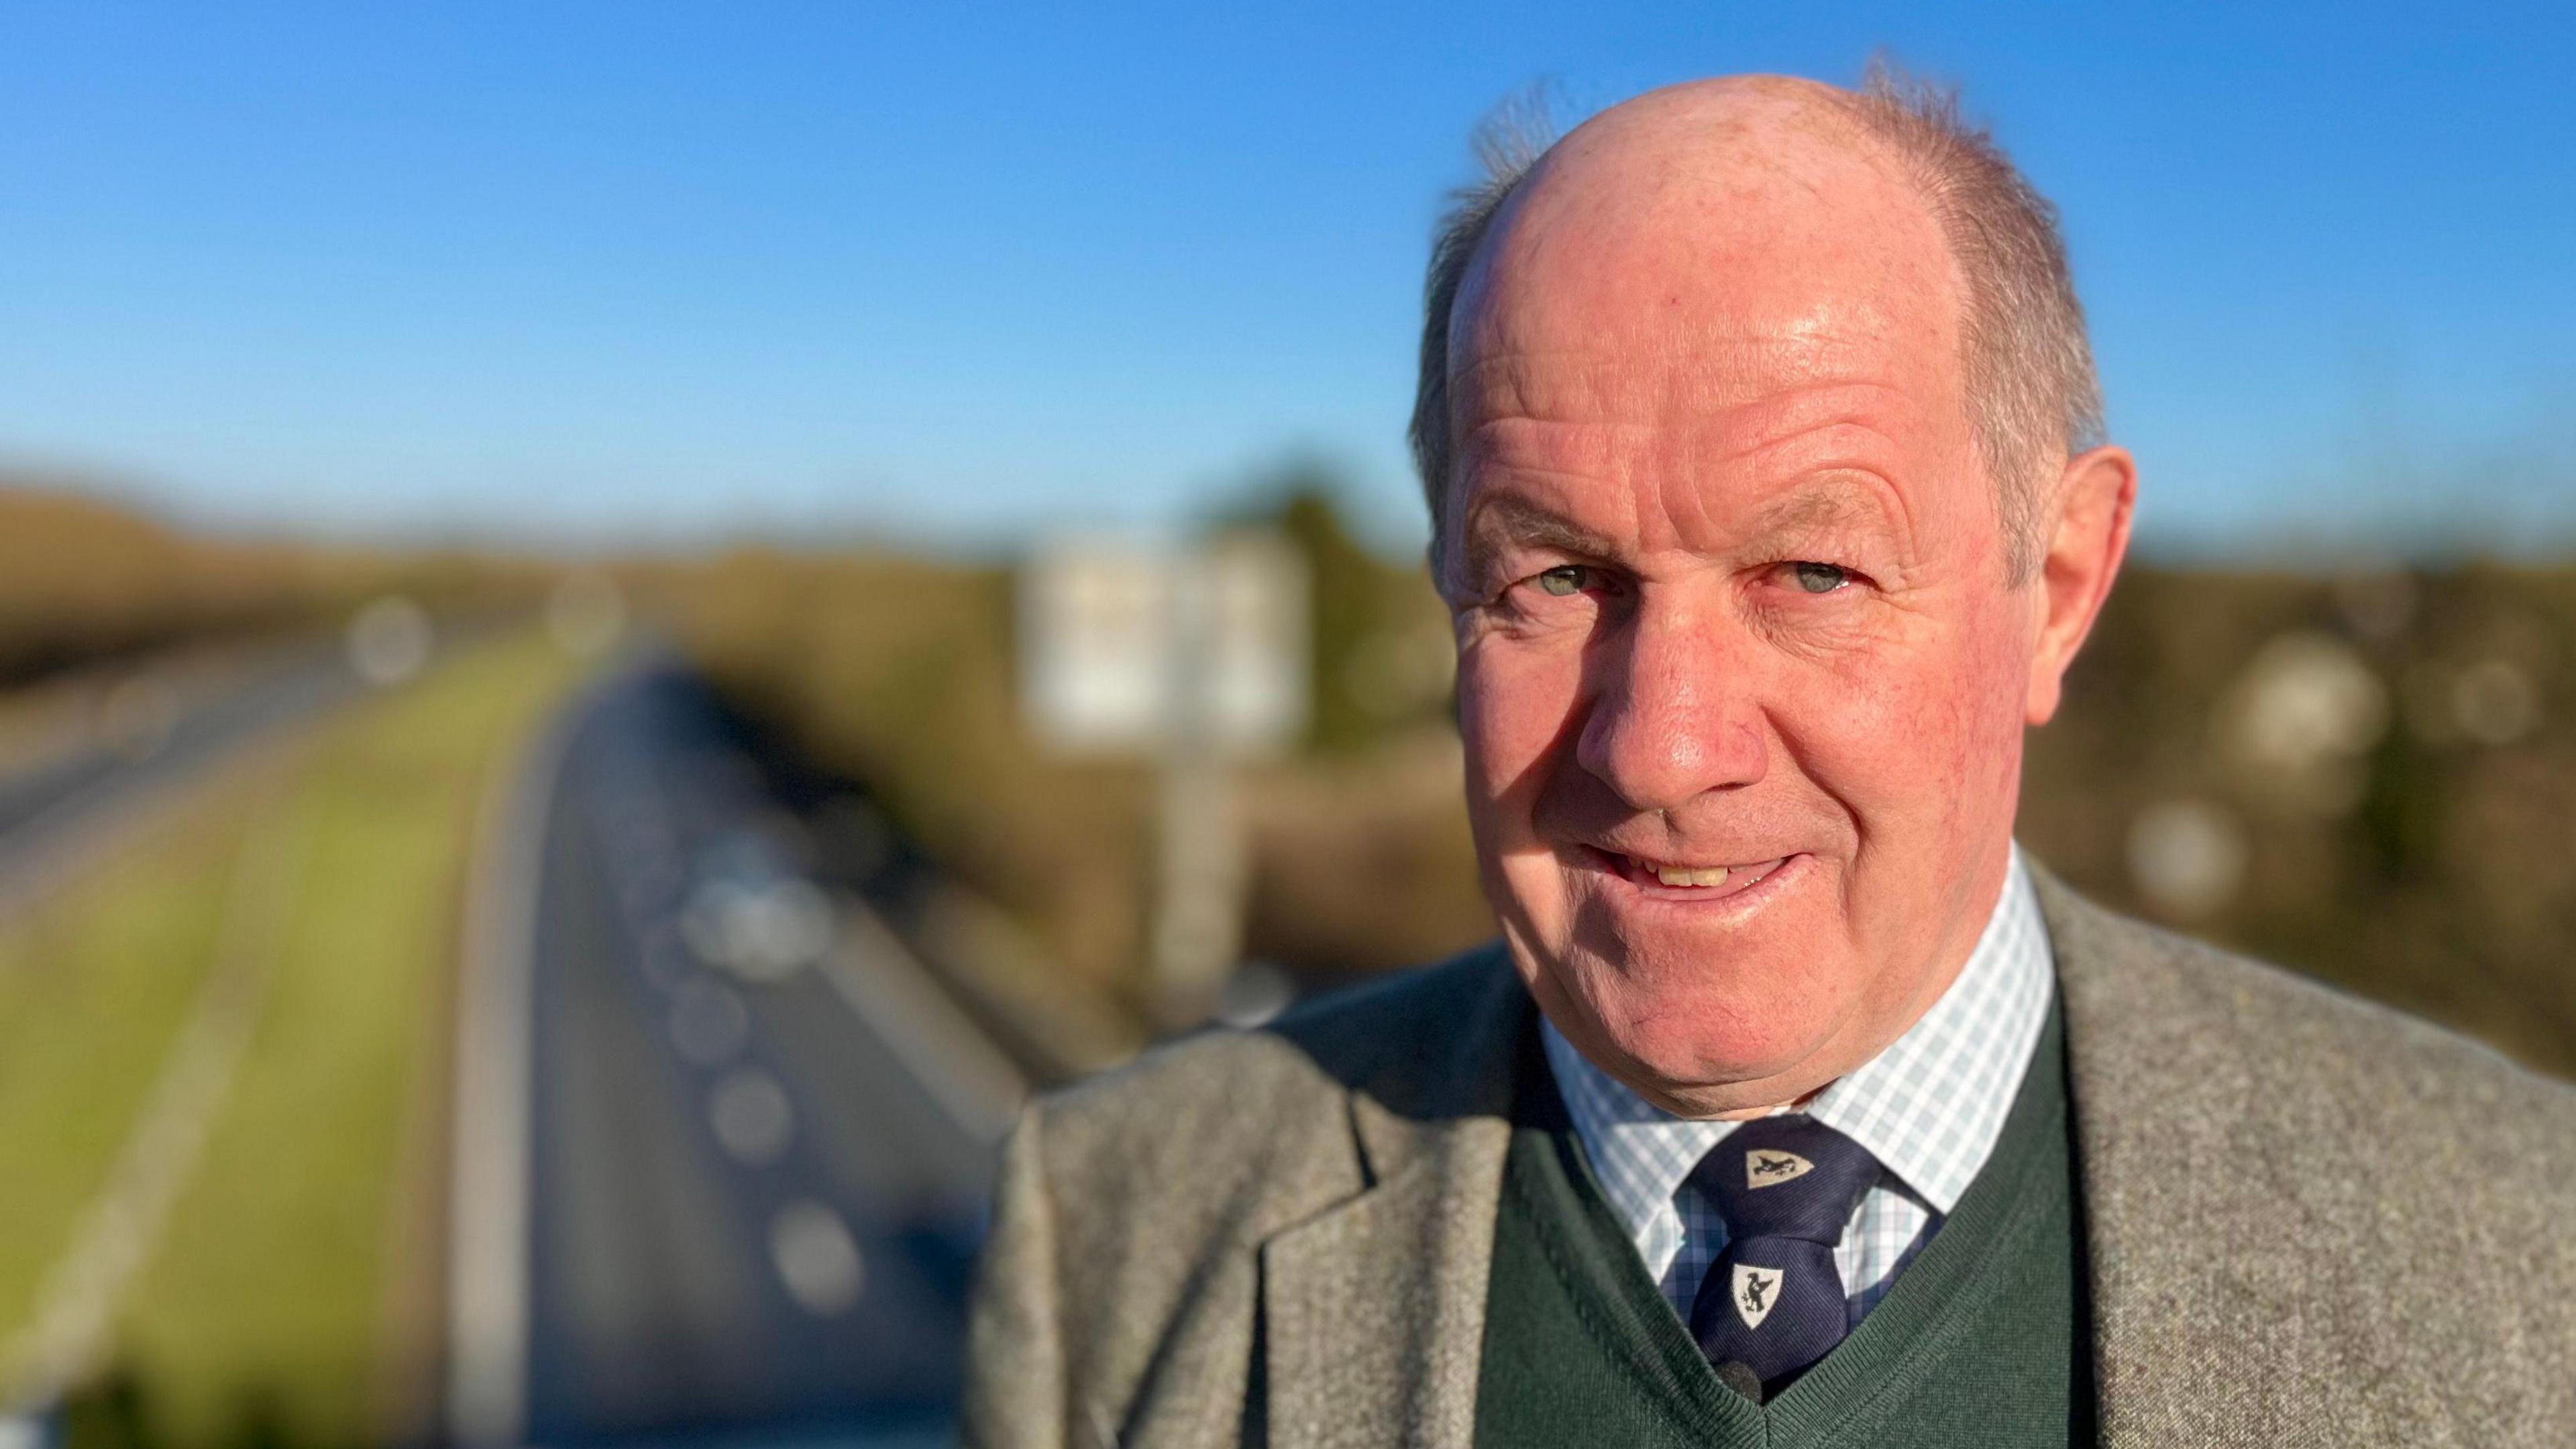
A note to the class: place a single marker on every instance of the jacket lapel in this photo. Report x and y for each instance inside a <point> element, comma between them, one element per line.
<point>1373,1311</point>
<point>2212,1282</point>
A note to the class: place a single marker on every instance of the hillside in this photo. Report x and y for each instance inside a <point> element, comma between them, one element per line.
<point>82,579</point>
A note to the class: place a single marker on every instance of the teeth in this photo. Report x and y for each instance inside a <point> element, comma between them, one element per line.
<point>1673,875</point>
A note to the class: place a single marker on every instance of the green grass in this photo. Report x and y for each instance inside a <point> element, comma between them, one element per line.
<point>91,991</point>
<point>285,1301</point>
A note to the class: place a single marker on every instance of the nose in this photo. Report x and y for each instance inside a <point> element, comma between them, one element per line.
<point>1674,713</point>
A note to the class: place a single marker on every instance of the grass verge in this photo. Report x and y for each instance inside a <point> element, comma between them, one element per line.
<point>261,1314</point>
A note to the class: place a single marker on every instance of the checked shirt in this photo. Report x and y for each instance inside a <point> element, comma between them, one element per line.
<point>1929,1108</point>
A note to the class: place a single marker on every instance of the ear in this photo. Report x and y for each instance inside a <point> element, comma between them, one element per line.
<point>2088,536</point>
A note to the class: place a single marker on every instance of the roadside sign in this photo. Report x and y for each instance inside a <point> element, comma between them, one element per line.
<point>1127,649</point>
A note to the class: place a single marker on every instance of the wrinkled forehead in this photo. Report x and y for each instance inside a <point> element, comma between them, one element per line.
<point>1687,264</point>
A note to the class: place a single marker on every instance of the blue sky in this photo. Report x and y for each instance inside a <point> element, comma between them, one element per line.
<point>618,271</point>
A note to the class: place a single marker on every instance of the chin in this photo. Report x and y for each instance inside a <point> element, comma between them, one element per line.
<point>1684,1030</point>
<point>1684,1046</point>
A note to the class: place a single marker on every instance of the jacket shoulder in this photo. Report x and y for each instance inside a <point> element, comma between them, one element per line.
<point>2214,1079</point>
<point>2305,1210</point>
<point>2291,1038</point>
<point>2332,1036</point>
<point>1221,1099</point>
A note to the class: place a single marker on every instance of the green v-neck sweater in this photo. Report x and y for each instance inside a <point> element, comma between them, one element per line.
<point>1982,1341</point>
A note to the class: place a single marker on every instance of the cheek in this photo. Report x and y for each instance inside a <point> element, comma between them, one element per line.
<point>1916,741</point>
<point>1988,681</point>
<point>1515,704</point>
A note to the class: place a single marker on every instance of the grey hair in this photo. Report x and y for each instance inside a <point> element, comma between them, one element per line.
<point>2028,365</point>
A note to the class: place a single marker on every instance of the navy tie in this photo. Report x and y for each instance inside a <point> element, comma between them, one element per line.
<point>1773,1302</point>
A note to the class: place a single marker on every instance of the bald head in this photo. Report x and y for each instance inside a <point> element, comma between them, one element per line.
<point>1706,215</point>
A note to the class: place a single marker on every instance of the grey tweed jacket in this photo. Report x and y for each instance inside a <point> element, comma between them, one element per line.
<point>2310,1220</point>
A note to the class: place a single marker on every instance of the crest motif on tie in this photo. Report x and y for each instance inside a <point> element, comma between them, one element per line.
<point>1766,1167</point>
<point>1756,1291</point>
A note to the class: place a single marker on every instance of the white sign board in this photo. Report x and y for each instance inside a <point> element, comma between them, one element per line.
<point>1126,649</point>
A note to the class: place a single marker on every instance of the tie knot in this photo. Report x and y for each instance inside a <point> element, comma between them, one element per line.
<point>1789,1176</point>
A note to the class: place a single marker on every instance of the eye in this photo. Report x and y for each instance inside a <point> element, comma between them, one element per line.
<point>1564,581</point>
<point>1819,578</point>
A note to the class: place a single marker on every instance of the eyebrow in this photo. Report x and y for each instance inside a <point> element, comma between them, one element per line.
<point>1511,519</point>
<point>1825,504</point>
<point>1506,521</point>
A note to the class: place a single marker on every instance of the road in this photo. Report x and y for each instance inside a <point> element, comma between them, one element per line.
<point>757,1142</point>
<point>46,812</point>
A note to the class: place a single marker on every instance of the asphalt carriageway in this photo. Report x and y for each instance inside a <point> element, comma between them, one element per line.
<point>724,1144</point>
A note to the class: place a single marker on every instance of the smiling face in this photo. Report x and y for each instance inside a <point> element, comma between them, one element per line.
<point>1742,678</point>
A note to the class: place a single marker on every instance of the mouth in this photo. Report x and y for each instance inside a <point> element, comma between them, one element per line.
<point>1687,881</point>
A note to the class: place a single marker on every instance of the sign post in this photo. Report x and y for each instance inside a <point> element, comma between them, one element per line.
<point>1196,659</point>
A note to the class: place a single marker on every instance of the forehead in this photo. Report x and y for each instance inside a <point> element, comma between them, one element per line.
<point>1694,267</point>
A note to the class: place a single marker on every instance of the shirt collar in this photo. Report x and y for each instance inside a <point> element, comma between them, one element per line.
<point>1929,1106</point>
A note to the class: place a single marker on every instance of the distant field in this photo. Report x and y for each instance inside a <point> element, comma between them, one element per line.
<point>287,1301</point>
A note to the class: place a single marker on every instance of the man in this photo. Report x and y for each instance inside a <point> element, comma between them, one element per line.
<point>1760,434</point>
